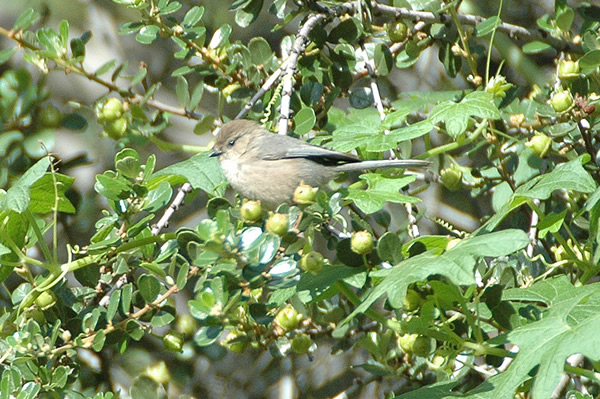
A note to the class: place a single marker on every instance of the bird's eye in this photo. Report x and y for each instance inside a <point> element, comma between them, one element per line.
<point>231,143</point>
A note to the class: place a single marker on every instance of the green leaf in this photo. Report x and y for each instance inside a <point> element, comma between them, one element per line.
<point>170,8</point>
<point>381,190</point>
<point>17,197</point>
<point>206,336</point>
<point>456,116</point>
<point>144,387</point>
<point>193,16</point>
<point>182,92</point>
<point>311,92</point>
<point>547,343</point>
<point>590,61</point>
<point>6,54</point>
<point>486,27</point>
<point>113,305</point>
<point>567,176</point>
<point>220,37</point>
<point>389,248</point>
<point>245,16</point>
<point>204,125</point>
<point>26,19</point>
<point>361,97</point>
<point>44,194</point>
<point>384,60</point>
<point>564,19</point>
<point>201,171</point>
<point>304,121</point>
<point>148,34</point>
<point>455,264</point>
<point>536,47</point>
<point>260,50</point>
<point>348,31</point>
<point>149,287</point>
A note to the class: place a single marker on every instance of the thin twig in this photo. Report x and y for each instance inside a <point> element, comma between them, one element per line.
<point>292,62</point>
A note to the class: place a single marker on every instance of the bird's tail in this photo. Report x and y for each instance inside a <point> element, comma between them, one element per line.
<point>383,164</point>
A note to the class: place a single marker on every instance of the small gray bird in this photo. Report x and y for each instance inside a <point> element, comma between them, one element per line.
<point>269,167</point>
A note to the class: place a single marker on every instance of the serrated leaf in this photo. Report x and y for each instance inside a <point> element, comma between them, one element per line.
<point>44,194</point>
<point>456,116</point>
<point>201,171</point>
<point>381,190</point>
<point>17,197</point>
<point>455,264</point>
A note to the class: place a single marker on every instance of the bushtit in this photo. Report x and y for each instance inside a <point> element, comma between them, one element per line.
<point>264,166</point>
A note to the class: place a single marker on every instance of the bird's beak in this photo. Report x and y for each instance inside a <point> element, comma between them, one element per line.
<point>214,153</point>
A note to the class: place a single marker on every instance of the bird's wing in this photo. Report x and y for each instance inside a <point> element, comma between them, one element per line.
<point>284,147</point>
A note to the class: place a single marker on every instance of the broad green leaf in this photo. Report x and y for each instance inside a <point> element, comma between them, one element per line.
<point>26,19</point>
<point>260,50</point>
<point>568,176</point>
<point>245,16</point>
<point>17,197</point>
<point>590,61</point>
<point>149,287</point>
<point>220,37</point>
<point>381,190</point>
<point>304,121</point>
<point>182,91</point>
<point>361,97</point>
<point>455,264</point>
<point>456,116</point>
<point>201,171</point>
<point>49,191</point>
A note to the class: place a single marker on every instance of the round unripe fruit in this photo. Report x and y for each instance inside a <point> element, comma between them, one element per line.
<point>50,116</point>
<point>251,211</point>
<point>288,318</point>
<point>397,31</point>
<point>361,242</point>
<point>277,223</point>
<point>45,300</point>
<point>312,262</point>
<point>568,70</point>
<point>236,341</point>
<point>451,178</point>
<point>540,144</point>
<point>112,109</point>
<point>116,129</point>
<point>186,324</point>
<point>423,346</point>
<point>305,194</point>
<point>412,301</point>
<point>561,101</point>
<point>173,341</point>
<point>301,343</point>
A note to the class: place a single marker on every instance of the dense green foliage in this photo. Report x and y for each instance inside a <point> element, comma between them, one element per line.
<point>490,313</point>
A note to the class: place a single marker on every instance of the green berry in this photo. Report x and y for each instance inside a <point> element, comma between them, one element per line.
<point>312,262</point>
<point>423,346</point>
<point>305,194</point>
<point>112,109</point>
<point>398,31</point>
<point>115,129</point>
<point>561,101</point>
<point>540,144</point>
<point>173,341</point>
<point>186,324</point>
<point>412,301</point>
<point>451,178</point>
<point>288,318</point>
<point>251,211</point>
<point>45,300</point>
<point>361,242</point>
<point>301,343</point>
<point>277,224</point>
<point>50,116</point>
